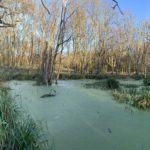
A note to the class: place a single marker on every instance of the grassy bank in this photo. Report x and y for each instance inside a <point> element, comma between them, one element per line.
<point>34,74</point>
<point>17,131</point>
<point>76,76</point>
<point>18,74</point>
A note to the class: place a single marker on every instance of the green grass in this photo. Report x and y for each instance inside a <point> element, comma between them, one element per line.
<point>18,132</point>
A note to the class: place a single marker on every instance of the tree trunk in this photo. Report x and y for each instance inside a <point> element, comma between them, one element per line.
<point>129,65</point>
<point>47,66</point>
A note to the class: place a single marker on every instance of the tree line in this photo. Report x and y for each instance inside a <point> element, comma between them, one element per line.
<point>88,37</point>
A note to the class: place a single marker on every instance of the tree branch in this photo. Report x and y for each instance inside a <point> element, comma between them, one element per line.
<point>45,7</point>
<point>6,25</point>
<point>117,5</point>
<point>70,15</point>
<point>67,40</point>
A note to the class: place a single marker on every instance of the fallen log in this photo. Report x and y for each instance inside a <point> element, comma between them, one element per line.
<point>51,94</point>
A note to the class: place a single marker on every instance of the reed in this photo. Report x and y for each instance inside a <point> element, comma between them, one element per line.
<point>18,132</point>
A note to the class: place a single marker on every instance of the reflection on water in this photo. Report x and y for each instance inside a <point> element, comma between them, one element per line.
<point>85,119</point>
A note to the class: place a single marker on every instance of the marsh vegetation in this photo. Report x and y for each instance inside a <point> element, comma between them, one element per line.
<point>19,131</point>
<point>70,62</point>
<point>135,95</point>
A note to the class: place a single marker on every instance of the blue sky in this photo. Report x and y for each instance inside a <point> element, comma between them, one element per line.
<point>139,8</point>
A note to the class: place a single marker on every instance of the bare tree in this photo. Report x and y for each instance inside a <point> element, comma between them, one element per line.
<point>60,41</point>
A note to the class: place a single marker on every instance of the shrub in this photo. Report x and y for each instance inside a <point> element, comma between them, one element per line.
<point>24,76</point>
<point>112,83</point>
<point>137,77</point>
<point>102,77</point>
<point>103,84</point>
<point>146,81</point>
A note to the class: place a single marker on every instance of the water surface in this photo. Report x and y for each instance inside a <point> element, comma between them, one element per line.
<point>85,119</point>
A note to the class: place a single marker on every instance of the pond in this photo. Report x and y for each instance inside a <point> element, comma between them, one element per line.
<point>84,119</point>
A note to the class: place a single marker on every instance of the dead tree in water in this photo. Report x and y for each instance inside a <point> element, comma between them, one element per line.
<point>51,55</point>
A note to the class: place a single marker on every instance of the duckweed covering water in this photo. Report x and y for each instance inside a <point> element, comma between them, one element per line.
<point>85,119</point>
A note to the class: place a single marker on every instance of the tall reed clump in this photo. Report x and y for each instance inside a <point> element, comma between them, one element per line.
<point>121,96</point>
<point>139,98</point>
<point>142,101</point>
<point>17,132</point>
